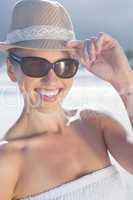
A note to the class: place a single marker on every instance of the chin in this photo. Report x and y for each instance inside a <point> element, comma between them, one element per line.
<point>49,108</point>
<point>44,103</point>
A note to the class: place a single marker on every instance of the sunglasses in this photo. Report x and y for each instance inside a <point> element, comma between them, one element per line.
<point>39,67</point>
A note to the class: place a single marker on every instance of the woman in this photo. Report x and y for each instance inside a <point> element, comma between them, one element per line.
<point>43,156</point>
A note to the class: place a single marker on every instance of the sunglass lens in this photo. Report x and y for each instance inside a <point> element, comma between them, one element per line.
<point>35,67</point>
<point>66,68</point>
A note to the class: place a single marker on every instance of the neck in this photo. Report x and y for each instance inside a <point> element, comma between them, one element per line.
<point>35,122</point>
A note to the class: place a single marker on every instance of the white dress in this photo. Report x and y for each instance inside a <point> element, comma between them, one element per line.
<point>104,184</point>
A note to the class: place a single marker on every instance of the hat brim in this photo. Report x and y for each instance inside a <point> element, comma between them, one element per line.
<point>41,45</point>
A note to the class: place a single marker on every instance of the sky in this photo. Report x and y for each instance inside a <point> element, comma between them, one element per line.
<point>89,17</point>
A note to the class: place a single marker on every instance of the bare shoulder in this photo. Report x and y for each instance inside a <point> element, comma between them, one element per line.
<point>102,118</point>
<point>104,121</point>
<point>10,149</point>
<point>109,122</point>
<point>10,157</point>
<point>91,116</point>
<point>10,167</point>
<point>90,113</point>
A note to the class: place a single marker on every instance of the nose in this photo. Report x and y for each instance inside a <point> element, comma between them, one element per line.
<point>50,78</point>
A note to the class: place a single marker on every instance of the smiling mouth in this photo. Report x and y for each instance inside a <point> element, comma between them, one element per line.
<point>49,95</point>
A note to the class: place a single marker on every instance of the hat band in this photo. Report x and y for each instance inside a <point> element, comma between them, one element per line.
<point>40,32</point>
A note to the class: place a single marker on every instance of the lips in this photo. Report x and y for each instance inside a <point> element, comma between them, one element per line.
<point>49,95</point>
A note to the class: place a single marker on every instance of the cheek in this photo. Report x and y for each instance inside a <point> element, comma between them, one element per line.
<point>26,84</point>
<point>68,83</point>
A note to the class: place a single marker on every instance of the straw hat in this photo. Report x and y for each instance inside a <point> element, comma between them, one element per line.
<point>39,24</point>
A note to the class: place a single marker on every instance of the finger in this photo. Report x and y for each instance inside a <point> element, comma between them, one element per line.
<point>81,56</point>
<point>87,43</point>
<point>78,55</point>
<point>75,44</point>
<point>104,41</point>
<point>105,37</point>
<point>93,50</point>
<point>73,54</point>
<point>78,46</point>
<point>90,50</point>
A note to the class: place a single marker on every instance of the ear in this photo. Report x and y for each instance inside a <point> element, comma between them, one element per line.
<point>10,71</point>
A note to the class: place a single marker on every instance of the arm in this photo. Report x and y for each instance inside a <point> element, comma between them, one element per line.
<point>104,57</point>
<point>9,172</point>
<point>118,142</point>
<point>125,90</point>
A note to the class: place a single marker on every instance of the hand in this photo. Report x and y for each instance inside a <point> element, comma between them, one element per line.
<point>104,57</point>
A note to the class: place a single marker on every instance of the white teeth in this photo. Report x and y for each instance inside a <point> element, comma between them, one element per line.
<point>48,93</point>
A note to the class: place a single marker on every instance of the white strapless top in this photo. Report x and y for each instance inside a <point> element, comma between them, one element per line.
<point>104,184</point>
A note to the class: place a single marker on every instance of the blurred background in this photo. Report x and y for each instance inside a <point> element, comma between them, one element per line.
<point>89,17</point>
